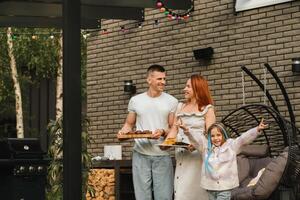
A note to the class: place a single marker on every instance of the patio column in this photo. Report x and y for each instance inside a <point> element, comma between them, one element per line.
<point>71,101</point>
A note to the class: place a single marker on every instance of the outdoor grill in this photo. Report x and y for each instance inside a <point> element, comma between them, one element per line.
<point>23,169</point>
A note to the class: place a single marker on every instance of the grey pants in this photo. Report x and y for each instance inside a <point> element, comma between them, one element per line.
<point>152,173</point>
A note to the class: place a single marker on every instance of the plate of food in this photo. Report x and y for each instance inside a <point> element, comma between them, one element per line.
<point>135,135</point>
<point>171,142</point>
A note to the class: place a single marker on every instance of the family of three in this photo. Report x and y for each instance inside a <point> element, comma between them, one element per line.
<point>207,169</point>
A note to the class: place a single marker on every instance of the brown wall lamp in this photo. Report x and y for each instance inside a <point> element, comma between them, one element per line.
<point>296,65</point>
<point>129,87</point>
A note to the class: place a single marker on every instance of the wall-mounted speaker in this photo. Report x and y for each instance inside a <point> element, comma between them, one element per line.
<point>204,54</point>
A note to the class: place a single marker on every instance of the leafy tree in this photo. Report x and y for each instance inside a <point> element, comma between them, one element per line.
<point>6,84</point>
<point>36,52</point>
<point>36,55</point>
<point>7,113</point>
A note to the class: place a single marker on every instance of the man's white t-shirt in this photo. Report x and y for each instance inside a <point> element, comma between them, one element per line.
<point>151,114</point>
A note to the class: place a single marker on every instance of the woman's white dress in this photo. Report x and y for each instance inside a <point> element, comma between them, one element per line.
<point>189,164</point>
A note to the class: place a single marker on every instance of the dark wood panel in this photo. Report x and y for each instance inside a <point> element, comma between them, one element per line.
<point>34,106</point>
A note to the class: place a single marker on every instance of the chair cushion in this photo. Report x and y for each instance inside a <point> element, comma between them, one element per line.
<point>271,177</point>
<point>243,167</point>
<point>244,193</point>
<point>254,150</point>
<point>255,179</point>
<point>256,164</point>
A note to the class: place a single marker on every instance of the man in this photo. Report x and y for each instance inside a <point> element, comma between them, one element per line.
<point>152,110</point>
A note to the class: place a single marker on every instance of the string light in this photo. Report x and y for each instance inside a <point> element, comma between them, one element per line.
<point>140,25</point>
<point>42,35</point>
<point>99,23</point>
<point>123,28</point>
<point>172,15</point>
<point>104,32</point>
<point>86,35</point>
<point>13,37</point>
<point>34,36</point>
<point>45,35</point>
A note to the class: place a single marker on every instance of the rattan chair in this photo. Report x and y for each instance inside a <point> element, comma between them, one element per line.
<point>281,136</point>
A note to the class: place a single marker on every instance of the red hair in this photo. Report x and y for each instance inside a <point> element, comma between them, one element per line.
<point>201,91</point>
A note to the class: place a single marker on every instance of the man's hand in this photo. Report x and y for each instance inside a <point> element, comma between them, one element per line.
<point>158,133</point>
<point>123,131</point>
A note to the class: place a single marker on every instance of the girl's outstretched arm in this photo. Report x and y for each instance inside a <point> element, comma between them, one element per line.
<point>262,125</point>
<point>249,136</point>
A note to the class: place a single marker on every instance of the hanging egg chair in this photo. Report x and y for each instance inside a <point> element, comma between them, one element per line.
<point>274,175</point>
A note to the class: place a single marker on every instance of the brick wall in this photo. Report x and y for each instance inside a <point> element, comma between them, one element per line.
<point>270,34</point>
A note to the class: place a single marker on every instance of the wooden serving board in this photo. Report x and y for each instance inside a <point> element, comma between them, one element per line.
<point>134,136</point>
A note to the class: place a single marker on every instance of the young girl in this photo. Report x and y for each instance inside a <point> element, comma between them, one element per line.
<point>219,169</point>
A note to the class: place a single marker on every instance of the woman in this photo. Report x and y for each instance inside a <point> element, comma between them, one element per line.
<point>197,113</point>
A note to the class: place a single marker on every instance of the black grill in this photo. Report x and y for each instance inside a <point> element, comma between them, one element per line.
<point>23,169</point>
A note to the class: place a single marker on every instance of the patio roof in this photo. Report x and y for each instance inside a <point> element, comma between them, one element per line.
<point>66,14</point>
<point>48,13</point>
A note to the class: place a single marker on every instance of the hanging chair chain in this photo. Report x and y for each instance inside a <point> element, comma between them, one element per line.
<point>265,85</point>
<point>243,87</point>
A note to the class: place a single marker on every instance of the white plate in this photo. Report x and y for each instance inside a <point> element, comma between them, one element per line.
<point>173,145</point>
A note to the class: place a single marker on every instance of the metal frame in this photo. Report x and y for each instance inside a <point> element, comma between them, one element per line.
<point>270,98</point>
<point>283,91</point>
<point>261,86</point>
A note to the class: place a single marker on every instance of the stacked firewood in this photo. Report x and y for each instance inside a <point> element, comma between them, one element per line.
<point>103,182</point>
